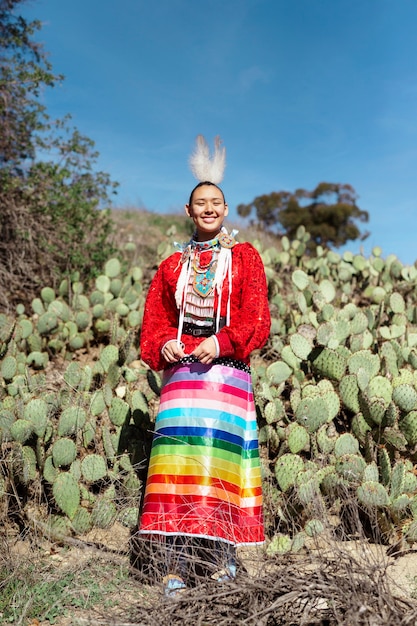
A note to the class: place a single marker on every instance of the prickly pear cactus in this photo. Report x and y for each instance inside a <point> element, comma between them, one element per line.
<point>335,390</point>
<point>344,375</point>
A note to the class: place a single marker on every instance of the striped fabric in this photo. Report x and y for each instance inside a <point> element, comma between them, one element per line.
<point>204,475</point>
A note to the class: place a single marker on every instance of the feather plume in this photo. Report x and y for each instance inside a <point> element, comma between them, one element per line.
<point>205,167</point>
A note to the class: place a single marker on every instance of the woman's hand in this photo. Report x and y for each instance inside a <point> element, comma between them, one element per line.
<point>206,351</point>
<point>172,351</point>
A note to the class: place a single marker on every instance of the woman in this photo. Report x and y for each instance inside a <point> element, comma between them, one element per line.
<point>206,311</point>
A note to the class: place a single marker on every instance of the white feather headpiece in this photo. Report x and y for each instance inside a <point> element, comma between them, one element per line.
<point>205,167</point>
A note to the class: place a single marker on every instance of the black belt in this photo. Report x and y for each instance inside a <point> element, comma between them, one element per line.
<point>201,331</point>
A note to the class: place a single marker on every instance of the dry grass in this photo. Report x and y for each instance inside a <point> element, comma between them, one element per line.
<point>336,579</point>
<point>90,581</point>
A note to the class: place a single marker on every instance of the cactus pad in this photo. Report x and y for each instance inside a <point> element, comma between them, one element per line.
<point>81,521</point>
<point>8,367</point>
<point>408,426</point>
<point>89,431</point>
<point>300,346</point>
<point>138,401</point>
<point>349,392</point>
<point>50,472</point>
<point>131,485</point>
<point>278,372</point>
<point>108,356</point>
<point>351,467</point>
<point>397,480</point>
<point>314,527</point>
<point>66,493</point>
<point>394,438</point>
<point>21,430</point>
<point>104,513</point>
<point>346,444</point>
<point>24,464</point>
<point>119,411</point>
<point>64,452</point>
<point>312,412</point>
<point>298,438</point>
<point>405,397</point>
<point>370,473</point>
<point>397,303</point>
<point>98,404</point>
<point>300,279</point>
<point>286,469</point>
<point>373,494</point>
<point>364,359</point>
<point>112,268</point>
<point>58,526</point>
<point>93,468</point>
<point>329,363</point>
<point>154,381</point>
<point>47,323</point>
<point>385,466</point>
<point>324,441</point>
<point>36,412</point>
<point>71,420</point>
<point>37,359</point>
<point>129,516</point>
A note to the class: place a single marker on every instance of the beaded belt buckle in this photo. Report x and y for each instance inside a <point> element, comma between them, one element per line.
<point>197,331</point>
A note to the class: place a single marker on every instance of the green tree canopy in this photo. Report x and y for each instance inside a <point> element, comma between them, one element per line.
<point>329,213</point>
<point>24,71</point>
<point>50,194</point>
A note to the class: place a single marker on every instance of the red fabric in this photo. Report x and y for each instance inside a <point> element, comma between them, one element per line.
<point>250,319</point>
<point>172,515</point>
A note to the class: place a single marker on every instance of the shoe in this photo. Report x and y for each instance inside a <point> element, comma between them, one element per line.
<point>225,575</point>
<point>173,585</point>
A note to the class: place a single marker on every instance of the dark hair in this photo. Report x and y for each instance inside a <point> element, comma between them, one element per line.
<point>208,183</point>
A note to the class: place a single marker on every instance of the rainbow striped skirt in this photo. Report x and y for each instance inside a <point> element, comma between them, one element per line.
<point>204,477</point>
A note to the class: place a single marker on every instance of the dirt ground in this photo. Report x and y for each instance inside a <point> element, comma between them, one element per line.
<point>399,572</point>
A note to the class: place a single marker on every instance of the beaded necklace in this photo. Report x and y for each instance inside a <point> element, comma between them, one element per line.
<point>221,245</point>
<point>204,263</point>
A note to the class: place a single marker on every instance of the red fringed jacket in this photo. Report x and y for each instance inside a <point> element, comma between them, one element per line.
<point>250,318</point>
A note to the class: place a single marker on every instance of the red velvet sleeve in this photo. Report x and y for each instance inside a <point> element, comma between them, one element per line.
<point>160,319</point>
<point>250,318</point>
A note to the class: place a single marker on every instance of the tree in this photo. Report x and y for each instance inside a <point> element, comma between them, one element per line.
<point>23,71</point>
<point>53,208</point>
<point>329,213</point>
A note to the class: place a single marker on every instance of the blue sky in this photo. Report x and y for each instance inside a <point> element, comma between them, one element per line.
<point>301,91</point>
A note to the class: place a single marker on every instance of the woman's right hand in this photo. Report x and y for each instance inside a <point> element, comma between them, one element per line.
<point>172,351</point>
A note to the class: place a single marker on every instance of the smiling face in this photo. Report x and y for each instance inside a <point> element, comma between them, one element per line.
<point>207,210</point>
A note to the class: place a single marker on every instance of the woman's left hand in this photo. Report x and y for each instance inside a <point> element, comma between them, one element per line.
<point>205,352</point>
